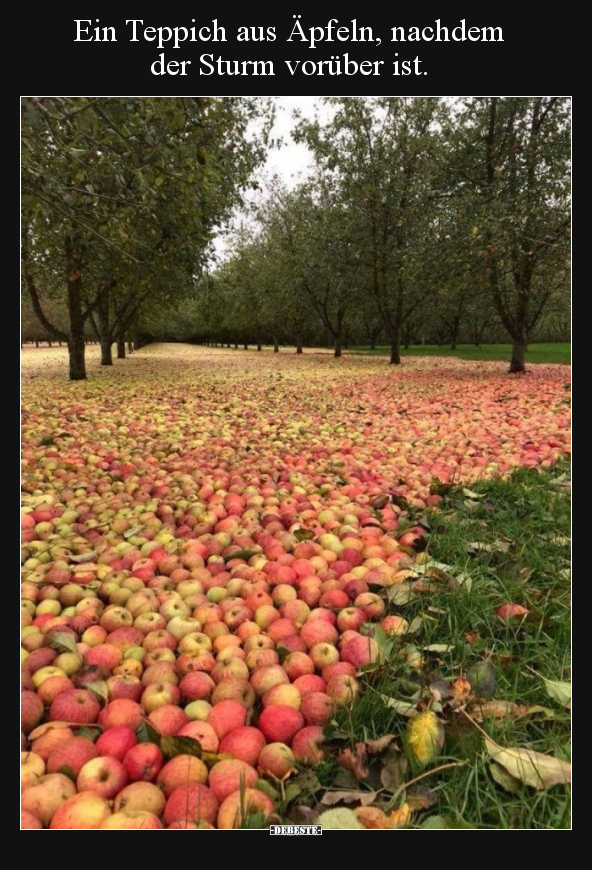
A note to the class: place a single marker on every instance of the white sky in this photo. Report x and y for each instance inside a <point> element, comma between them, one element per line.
<point>291,162</point>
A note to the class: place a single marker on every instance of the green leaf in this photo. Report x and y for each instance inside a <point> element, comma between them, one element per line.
<point>402,593</point>
<point>85,557</point>
<point>404,708</point>
<point>559,690</point>
<point>100,690</point>
<point>91,732</point>
<point>147,733</point>
<point>303,535</point>
<point>172,746</point>
<point>241,554</point>
<point>62,641</point>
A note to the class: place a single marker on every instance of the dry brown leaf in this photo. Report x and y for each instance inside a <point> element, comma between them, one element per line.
<point>330,798</point>
<point>461,689</point>
<point>372,818</point>
<point>533,768</point>
<point>380,744</point>
<point>354,761</point>
<point>495,710</point>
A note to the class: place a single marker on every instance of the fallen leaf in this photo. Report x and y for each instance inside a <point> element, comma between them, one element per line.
<point>172,746</point>
<point>372,818</point>
<point>533,768</point>
<point>85,557</point>
<point>438,647</point>
<point>425,736</point>
<point>62,641</point>
<point>472,637</point>
<point>494,710</point>
<point>405,708</point>
<point>354,760</point>
<point>401,594</point>
<point>401,817</point>
<point>330,798</point>
<point>461,689</point>
<point>559,690</point>
<point>500,775</point>
<point>420,797</point>
<point>380,744</point>
<point>545,712</point>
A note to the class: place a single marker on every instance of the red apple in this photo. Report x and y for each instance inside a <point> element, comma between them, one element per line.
<point>122,711</point>
<point>196,686</point>
<point>180,770</point>
<point>115,742</point>
<point>75,705</point>
<point>143,762</point>
<point>104,775</point>
<point>31,710</point>
<point>226,716</point>
<point>168,719</point>
<point>244,743</point>
<point>194,801</point>
<point>279,723</point>
<point>231,775</point>
<point>72,753</point>
<point>306,745</point>
<point>236,808</point>
<point>276,759</point>
<point>316,708</point>
<point>203,733</point>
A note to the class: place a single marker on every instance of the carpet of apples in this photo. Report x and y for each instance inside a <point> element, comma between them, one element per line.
<point>206,536</point>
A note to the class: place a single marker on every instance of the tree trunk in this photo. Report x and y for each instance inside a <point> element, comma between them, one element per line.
<point>245,346</point>
<point>298,344</point>
<point>236,345</point>
<point>337,346</point>
<point>395,354</point>
<point>120,348</point>
<point>517,363</point>
<point>130,346</point>
<point>259,346</point>
<point>106,354</point>
<point>36,342</point>
<point>76,343</point>
<point>276,347</point>
<point>76,355</point>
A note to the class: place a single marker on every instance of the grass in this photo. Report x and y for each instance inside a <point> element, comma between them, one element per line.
<point>522,527</point>
<point>557,352</point>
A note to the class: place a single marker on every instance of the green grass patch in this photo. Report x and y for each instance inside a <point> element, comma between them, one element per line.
<point>558,352</point>
<point>503,541</point>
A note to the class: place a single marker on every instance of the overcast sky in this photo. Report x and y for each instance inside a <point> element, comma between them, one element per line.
<point>291,159</point>
<point>291,162</point>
